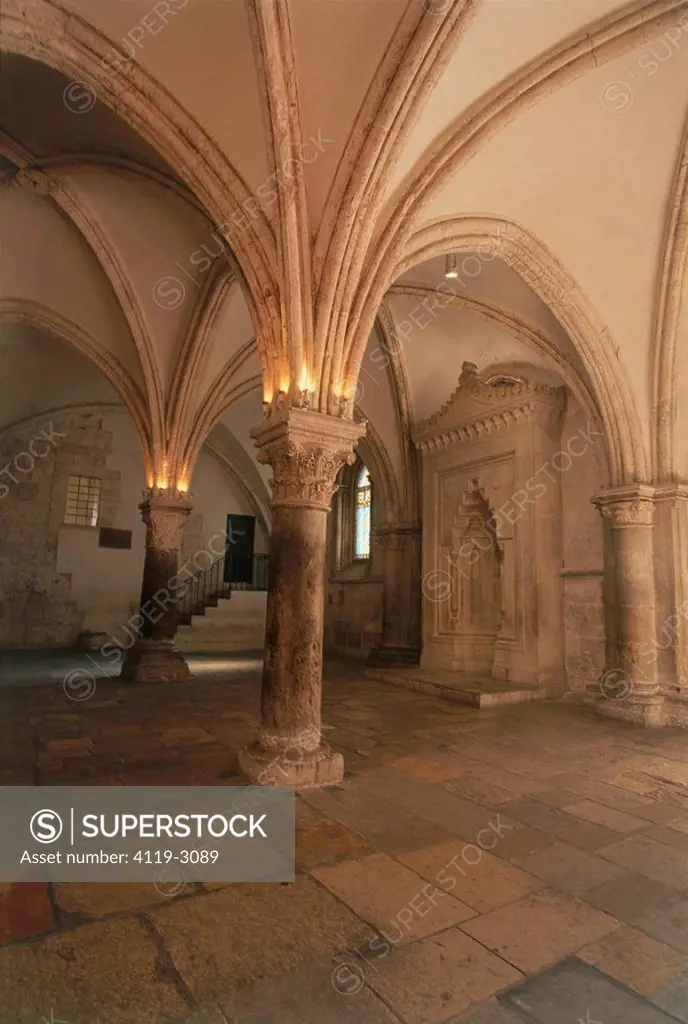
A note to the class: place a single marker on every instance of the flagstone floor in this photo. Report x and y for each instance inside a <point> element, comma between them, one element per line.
<point>523,865</point>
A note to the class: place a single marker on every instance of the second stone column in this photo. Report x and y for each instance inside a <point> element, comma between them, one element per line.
<point>630,687</point>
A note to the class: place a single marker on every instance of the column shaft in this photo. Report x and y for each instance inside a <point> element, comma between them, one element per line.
<point>292,690</point>
<point>629,687</point>
<point>154,656</point>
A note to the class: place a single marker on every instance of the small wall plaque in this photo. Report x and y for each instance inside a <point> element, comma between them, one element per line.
<point>111,538</point>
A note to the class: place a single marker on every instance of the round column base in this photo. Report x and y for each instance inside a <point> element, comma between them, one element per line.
<point>321,767</point>
<point>155,661</point>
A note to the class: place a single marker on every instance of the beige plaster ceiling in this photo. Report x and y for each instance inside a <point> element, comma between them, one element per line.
<point>566,120</point>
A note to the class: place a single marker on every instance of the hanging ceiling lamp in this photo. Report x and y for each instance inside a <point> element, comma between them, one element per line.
<point>450,270</point>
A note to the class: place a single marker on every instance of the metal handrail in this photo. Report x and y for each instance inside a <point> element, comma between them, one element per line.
<point>209,585</point>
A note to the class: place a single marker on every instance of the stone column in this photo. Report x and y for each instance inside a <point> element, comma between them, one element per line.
<point>629,687</point>
<point>400,640</point>
<point>154,656</point>
<point>306,450</point>
<point>671,577</point>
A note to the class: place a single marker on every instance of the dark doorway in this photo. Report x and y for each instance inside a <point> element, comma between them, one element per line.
<point>239,556</point>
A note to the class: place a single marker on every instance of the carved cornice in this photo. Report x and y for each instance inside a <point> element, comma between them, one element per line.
<point>627,506</point>
<point>164,512</point>
<point>475,409</point>
<point>672,492</point>
<point>306,451</point>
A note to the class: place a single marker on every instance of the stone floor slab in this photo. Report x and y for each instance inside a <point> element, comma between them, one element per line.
<point>423,768</point>
<point>617,821</point>
<point>575,992</point>
<point>441,976</point>
<point>636,960</point>
<point>517,785</point>
<point>393,898</point>
<point>96,899</point>
<point>659,811</point>
<point>323,842</point>
<point>476,877</point>
<point>646,856</point>
<point>236,935</point>
<point>587,836</point>
<point>491,1013</point>
<point>553,797</point>
<point>673,997</point>
<point>680,824</point>
<point>25,911</point>
<point>671,836</point>
<point>528,811</point>
<point>567,868</point>
<point>208,1013</point>
<point>436,805</point>
<point>478,789</point>
<point>523,840</point>
<point>321,992</point>
<point>667,922</point>
<point>540,929</point>
<point>387,826</point>
<point>108,972</point>
<point>629,896</point>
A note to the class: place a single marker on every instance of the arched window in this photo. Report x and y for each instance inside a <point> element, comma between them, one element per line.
<point>362,504</point>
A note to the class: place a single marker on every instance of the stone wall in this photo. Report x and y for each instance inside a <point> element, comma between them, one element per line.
<point>353,616</point>
<point>55,580</point>
<point>354,591</point>
<point>39,556</point>
<point>582,567</point>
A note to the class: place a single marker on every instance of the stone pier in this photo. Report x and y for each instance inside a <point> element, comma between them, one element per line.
<point>154,656</point>
<point>306,450</point>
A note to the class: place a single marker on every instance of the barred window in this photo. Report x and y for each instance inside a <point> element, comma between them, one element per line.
<point>83,500</point>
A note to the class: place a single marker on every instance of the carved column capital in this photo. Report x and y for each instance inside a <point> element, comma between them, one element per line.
<point>306,451</point>
<point>627,506</point>
<point>164,512</point>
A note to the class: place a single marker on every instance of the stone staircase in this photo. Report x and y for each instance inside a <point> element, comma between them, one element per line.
<point>235,623</point>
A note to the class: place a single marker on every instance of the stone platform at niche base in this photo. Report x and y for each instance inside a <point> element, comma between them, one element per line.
<point>475,690</point>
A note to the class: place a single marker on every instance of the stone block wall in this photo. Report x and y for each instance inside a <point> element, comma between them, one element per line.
<point>584,623</point>
<point>582,563</point>
<point>55,580</point>
<point>353,616</point>
<point>37,604</point>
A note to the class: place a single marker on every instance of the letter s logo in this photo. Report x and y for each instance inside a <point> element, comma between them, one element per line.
<point>46,826</point>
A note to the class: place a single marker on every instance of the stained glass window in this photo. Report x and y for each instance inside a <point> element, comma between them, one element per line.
<point>362,509</point>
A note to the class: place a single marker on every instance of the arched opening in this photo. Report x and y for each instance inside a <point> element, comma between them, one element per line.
<point>498,392</point>
<point>363,499</point>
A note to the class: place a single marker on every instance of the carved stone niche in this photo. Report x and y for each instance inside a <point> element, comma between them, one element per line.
<point>473,613</point>
<point>492,544</point>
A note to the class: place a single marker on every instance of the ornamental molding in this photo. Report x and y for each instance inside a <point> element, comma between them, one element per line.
<point>477,409</point>
<point>34,181</point>
<point>306,451</point>
<point>627,506</point>
<point>672,492</point>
